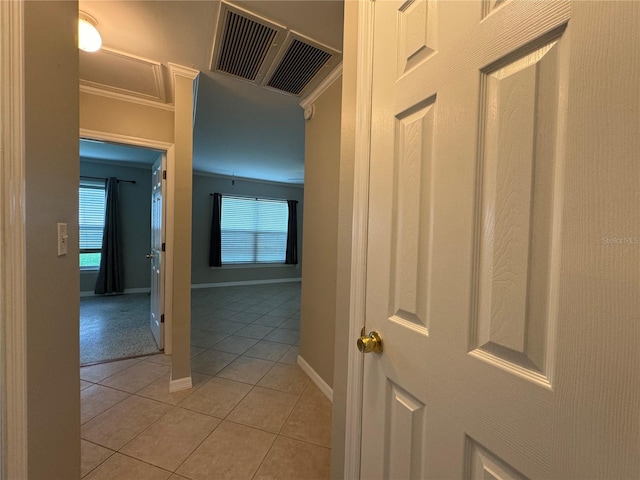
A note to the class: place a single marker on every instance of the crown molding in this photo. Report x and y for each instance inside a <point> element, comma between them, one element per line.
<point>124,139</point>
<point>202,173</point>
<point>313,95</point>
<point>93,89</point>
<point>185,72</point>
<point>176,69</point>
<point>119,163</point>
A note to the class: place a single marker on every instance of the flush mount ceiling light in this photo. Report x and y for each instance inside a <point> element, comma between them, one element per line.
<point>89,38</point>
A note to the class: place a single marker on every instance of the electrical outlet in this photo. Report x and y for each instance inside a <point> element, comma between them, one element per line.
<point>63,239</point>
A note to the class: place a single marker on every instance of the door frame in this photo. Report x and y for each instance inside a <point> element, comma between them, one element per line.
<point>168,149</point>
<point>358,280</point>
<point>13,379</point>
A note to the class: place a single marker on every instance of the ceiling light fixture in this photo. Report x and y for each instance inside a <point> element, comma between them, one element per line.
<point>89,38</point>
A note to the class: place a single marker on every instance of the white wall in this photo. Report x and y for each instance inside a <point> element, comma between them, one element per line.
<point>109,115</point>
<point>52,303</point>
<point>322,173</point>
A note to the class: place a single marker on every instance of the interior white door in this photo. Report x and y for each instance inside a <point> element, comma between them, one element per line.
<point>507,352</point>
<point>157,254</point>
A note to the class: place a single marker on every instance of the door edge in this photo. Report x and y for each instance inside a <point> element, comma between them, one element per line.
<point>363,122</point>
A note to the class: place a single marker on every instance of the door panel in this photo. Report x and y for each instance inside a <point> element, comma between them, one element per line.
<point>466,200</point>
<point>406,424</point>
<point>481,464</point>
<point>156,255</point>
<point>518,203</point>
<point>412,191</point>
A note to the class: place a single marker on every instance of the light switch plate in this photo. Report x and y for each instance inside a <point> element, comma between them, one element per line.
<point>62,239</point>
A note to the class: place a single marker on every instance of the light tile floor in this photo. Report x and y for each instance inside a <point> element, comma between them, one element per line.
<point>252,412</point>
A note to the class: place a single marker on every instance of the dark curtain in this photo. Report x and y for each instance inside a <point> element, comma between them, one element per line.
<point>215,243</point>
<point>110,277</point>
<point>292,233</point>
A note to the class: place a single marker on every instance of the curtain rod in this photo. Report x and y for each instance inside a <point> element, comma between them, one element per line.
<point>103,178</point>
<point>251,196</point>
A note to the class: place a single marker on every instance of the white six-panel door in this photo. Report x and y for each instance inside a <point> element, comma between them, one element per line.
<point>471,281</point>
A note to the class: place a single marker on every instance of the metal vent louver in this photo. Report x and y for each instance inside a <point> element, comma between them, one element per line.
<point>245,45</point>
<point>299,65</point>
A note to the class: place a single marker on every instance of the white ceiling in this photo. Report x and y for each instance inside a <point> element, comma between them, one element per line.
<point>241,129</point>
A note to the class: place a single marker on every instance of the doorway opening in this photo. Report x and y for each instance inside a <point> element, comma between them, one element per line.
<point>119,257</point>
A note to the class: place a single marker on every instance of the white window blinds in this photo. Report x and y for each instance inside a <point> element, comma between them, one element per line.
<point>253,230</point>
<point>91,215</point>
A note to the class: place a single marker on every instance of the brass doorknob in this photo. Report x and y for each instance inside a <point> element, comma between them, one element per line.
<point>370,343</point>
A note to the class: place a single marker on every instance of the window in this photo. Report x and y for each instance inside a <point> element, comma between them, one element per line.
<point>91,220</point>
<point>253,230</point>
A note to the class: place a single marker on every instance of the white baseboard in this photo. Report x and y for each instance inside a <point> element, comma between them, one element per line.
<point>180,384</point>
<point>246,282</point>
<point>126,291</point>
<point>315,378</point>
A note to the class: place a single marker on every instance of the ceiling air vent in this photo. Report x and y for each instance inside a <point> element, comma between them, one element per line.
<point>297,69</point>
<point>299,65</point>
<point>245,44</point>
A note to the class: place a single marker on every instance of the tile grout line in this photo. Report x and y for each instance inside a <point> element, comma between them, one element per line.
<point>216,427</point>
<point>265,457</point>
<point>140,433</point>
<point>104,411</point>
<point>143,461</point>
<point>137,360</point>
<point>141,388</point>
<point>287,304</point>
<point>113,452</point>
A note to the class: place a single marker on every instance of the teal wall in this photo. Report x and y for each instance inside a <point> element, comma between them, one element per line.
<point>135,221</point>
<point>135,218</point>
<point>203,186</point>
